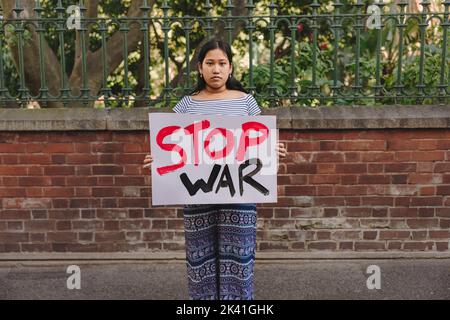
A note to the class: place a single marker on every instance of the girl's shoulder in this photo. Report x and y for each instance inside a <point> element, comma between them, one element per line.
<point>230,95</point>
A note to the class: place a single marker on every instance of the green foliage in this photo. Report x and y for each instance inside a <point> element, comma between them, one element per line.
<point>307,80</point>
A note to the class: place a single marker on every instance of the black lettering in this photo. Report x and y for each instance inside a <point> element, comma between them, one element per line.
<point>248,177</point>
<point>200,184</point>
<point>228,182</point>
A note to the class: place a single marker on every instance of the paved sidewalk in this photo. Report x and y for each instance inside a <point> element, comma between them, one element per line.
<point>293,280</point>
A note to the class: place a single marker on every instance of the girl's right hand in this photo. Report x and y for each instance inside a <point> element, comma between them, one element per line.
<point>147,161</point>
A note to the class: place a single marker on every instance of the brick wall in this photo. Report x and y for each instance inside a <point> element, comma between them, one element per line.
<point>346,185</point>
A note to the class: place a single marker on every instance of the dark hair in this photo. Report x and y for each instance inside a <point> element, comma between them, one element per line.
<point>232,83</point>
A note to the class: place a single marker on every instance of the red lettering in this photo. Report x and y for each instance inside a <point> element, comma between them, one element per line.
<point>194,129</point>
<point>225,151</point>
<point>246,142</point>
<point>162,134</point>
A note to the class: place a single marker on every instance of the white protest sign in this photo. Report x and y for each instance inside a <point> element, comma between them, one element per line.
<point>202,159</point>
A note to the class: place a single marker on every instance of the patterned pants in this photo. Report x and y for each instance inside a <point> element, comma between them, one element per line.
<point>220,251</point>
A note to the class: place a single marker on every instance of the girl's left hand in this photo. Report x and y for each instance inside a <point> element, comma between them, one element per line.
<point>281,150</point>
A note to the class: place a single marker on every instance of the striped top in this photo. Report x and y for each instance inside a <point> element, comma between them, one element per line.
<point>244,106</point>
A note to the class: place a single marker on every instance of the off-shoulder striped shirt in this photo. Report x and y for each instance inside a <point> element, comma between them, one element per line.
<point>243,106</point>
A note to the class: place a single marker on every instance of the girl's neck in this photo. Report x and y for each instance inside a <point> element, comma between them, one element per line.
<point>208,91</point>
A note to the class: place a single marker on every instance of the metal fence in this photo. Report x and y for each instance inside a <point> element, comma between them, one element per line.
<point>331,53</point>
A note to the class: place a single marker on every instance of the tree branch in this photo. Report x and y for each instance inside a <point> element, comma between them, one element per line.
<point>31,54</point>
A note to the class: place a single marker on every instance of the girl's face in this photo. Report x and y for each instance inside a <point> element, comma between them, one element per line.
<point>215,68</point>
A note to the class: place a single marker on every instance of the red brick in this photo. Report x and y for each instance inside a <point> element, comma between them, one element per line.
<point>328,157</point>
<point>34,181</point>
<point>327,145</point>
<point>112,213</point>
<point>36,247</point>
<point>443,190</point>
<point>394,245</point>
<point>107,147</point>
<point>370,235</point>
<point>378,201</point>
<point>63,237</point>
<point>40,225</point>
<point>129,158</point>
<point>324,179</point>
<point>370,245</point>
<point>427,191</point>
<point>134,203</point>
<point>301,168</point>
<point>37,237</point>
<point>324,190</point>
<point>374,179</point>
<point>325,168</point>
<point>136,213</point>
<point>58,192</point>
<point>152,236</point>
<point>12,170</point>
<point>352,157</point>
<point>107,170</point>
<point>330,212</point>
<point>428,156</point>
<point>59,170</point>
<point>12,148</point>
<point>377,156</point>
<point>422,223</point>
<point>351,168</point>
<point>394,235</point>
<point>13,237</point>
<point>350,190</point>
<point>81,159</point>
<point>349,179</point>
<point>12,192</point>
<point>426,212</point>
<point>298,146</point>
<point>443,212</point>
<point>128,137</point>
<point>323,235</point>
<point>87,225</point>
<point>441,246</point>
<point>299,191</point>
<point>297,245</point>
<point>346,245</point>
<point>400,167</point>
<point>107,192</point>
<point>361,145</point>
<point>403,156</point>
<point>35,159</point>
<point>329,201</point>
<point>399,179</point>
<point>418,246</point>
<point>83,192</point>
<point>63,225</point>
<point>439,234</point>
<point>442,167</point>
<point>322,245</point>
<point>426,201</point>
<point>272,245</point>
<point>129,181</point>
<point>9,159</point>
<point>419,235</point>
<point>444,223</point>
<point>58,148</point>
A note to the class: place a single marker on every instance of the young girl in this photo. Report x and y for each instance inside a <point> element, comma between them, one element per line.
<point>220,238</point>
